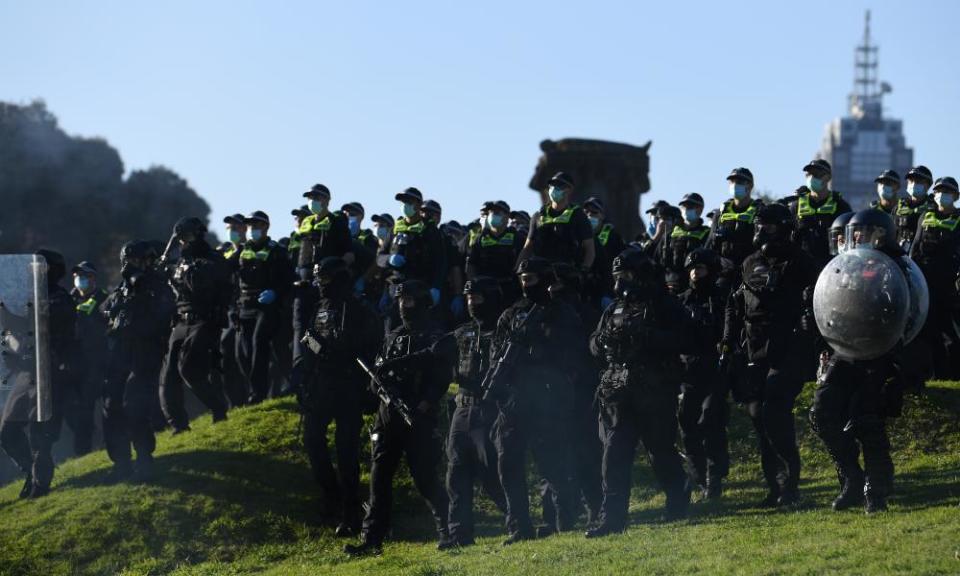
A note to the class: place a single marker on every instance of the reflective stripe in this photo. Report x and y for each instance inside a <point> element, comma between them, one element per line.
<point>261,254</point>
<point>487,240</point>
<point>604,236</point>
<point>294,241</point>
<point>563,218</point>
<point>228,254</point>
<point>474,235</point>
<point>932,220</point>
<point>401,226</point>
<point>311,224</point>
<point>87,307</point>
<point>904,209</point>
<point>679,231</point>
<point>746,216</point>
<point>804,208</point>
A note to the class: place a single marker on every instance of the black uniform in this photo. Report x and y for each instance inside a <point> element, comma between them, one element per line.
<point>262,267</point>
<point>234,383</point>
<point>813,224</point>
<point>908,215</point>
<point>91,356</point>
<point>534,406</point>
<point>731,236</point>
<point>673,249</point>
<point>558,235</point>
<point>344,329</point>
<point>201,285</point>
<point>417,251</point>
<point>609,243</point>
<point>776,292</point>
<point>139,313</point>
<point>495,256</point>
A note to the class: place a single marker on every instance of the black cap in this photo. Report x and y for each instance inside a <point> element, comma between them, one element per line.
<point>257,216</point>
<point>500,205</point>
<point>692,198</point>
<point>888,176</point>
<point>86,267</point>
<point>301,211</point>
<point>318,190</point>
<point>329,266</point>
<point>190,225</point>
<point>353,208</point>
<point>947,183</point>
<point>657,206</point>
<point>535,265</point>
<point>562,180</point>
<point>485,285</point>
<point>410,195</point>
<point>234,219</point>
<point>431,206</point>
<point>920,172</point>
<point>520,215</point>
<point>818,165</point>
<point>383,220</point>
<point>741,173</point>
<point>416,289</point>
<point>594,203</point>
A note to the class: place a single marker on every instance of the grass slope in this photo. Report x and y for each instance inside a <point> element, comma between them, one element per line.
<point>238,498</point>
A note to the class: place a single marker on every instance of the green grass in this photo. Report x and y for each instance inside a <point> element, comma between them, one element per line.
<point>237,498</point>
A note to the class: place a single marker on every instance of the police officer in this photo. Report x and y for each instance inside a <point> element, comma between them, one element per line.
<point>854,398</point>
<point>201,284</point>
<point>263,279</point>
<point>608,243</point>
<point>816,210</point>
<point>888,192</point>
<point>344,328</point>
<point>420,383</point>
<point>640,337</point>
<point>773,304</point>
<point>936,250</point>
<point>234,382</point>
<point>471,454</point>
<point>536,352</point>
<point>704,411</point>
<point>365,245</point>
<point>731,235</point>
<point>138,314</point>
<point>375,279</point>
<point>911,208</point>
<point>91,330</point>
<point>453,262</point>
<point>492,250</point>
<point>685,236</point>
<point>520,221</point>
<point>293,246</point>
<point>28,442</point>
<point>560,231</point>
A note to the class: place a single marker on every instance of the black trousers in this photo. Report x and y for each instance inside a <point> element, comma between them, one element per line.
<point>340,484</point>
<point>471,456</point>
<point>539,420</point>
<point>846,411</point>
<point>392,440</point>
<point>30,446</point>
<point>703,416</point>
<point>304,305</point>
<point>128,400</point>
<point>773,392</point>
<point>234,383</point>
<point>257,329</point>
<point>78,414</point>
<point>629,415</point>
<point>189,360</point>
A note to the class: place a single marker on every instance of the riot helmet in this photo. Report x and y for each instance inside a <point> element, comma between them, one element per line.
<point>871,228</point>
<point>635,275</point>
<point>837,234</point>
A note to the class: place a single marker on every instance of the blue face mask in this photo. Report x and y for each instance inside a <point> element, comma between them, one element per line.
<point>317,206</point>
<point>409,210</point>
<point>382,232</point>
<point>815,184</point>
<point>594,222</point>
<point>82,284</point>
<point>236,237</point>
<point>496,220</point>
<point>691,215</point>
<point>556,193</point>
<point>738,191</point>
<point>256,234</point>
<point>916,190</point>
<point>652,227</point>
<point>945,200</point>
<point>886,192</point>
<point>354,224</point>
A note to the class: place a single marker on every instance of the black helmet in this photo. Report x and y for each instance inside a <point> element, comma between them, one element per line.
<point>190,225</point>
<point>703,256</point>
<point>483,285</point>
<point>134,250</point>
<point>773,224</point>
<point>535,265</point>
<point>536,276</point>
<point>636,275</point>
<point>871,228</point>
<point>921,173</point>
<point>837,230</point>
<point>330,267</point>
<point>489,305</point>
<point>415,291</point>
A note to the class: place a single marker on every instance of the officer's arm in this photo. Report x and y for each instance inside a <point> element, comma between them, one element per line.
<point>596,344</point>
<point>588,251</point>
<point>711,238</point>
<point>733,317</point>
<point>527,250</point>
<point>917,237</point>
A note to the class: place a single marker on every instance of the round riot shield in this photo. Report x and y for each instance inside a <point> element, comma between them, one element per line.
<point>860,304</point>
<point>919,299</point>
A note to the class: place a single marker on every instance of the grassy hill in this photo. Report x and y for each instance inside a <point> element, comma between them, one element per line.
<point>237,498</point>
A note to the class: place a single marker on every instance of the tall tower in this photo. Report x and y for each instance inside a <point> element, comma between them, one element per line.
<point>862,145</point>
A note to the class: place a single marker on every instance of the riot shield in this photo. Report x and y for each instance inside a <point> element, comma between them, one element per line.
<point>25,380</point>
<point>919,299</point>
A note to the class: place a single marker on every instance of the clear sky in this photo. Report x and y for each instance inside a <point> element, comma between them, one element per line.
<point>253,102</point>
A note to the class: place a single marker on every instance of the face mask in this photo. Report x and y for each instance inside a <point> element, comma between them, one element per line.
<point>556,194</point>
<point>382,232</point>
<point>594,222</point>
<point>944,200</point>
<point>496,220</point>
<point>256,234</point>
<point>652,227</point>
<point>814,184</point>
<point>409,210</point>
<point>738,191</point>
<point>691,215</point>
<point>318,206</point>
<point>82,284</point>
<point>236,237</point>
<point>354,224</point>
<point>916,190</point>
<point>886,191</point>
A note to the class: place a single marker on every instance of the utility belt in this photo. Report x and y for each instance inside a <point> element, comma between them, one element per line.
<point>466,399</point>
<point>194,317</point>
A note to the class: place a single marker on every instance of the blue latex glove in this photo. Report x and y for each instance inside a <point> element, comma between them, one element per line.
<point>435,294</point>
<point>384,303</point>
<point>397,260</point>
<point>359,285</point>
<point>267,297</point>
<point>457,306</point>
<point>605,302</point>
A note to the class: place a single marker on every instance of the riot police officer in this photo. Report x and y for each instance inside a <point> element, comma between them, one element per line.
<point>493,248</point>
<point>704,411</point>
<point>888,192</point>
<point>684,237</point>
<point>640,337</point>
<point>201,285</point>
<point>138,314</point>
<point>535,355</point>
<point>344,329</point>
<point>560,230</point>
<point>420,383</point>
<point>773,305</point>
<point>815,211</point>
<point>854,398</point>
<point>936,250</point>
<point>263,279</point>
<point>608,243</point>
<point>91,331</point>
<point>917,202</point>
<point>471,454</point>
<point>731,235</point>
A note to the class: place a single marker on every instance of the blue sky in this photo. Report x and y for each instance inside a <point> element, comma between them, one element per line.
<point>252,102</point>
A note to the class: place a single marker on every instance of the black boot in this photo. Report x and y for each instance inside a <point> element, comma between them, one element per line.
<point>850,495</point>
<point>367,546</point>
<point>27,487</point>
<point>714,490</point>
<point>789,497</point>
<point>770,500</point>
<point>603,530</point>
<point>518,537</point>
<point>119,473</point>
<point>875,503</point>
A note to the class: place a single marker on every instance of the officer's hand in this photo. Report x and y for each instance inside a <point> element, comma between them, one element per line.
<point>267,297</point>
<point>457,306</point>
<point>396,260</point>
<point>435,295</point>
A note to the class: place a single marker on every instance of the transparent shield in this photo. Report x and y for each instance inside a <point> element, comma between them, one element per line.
<point>861,303</point>
<point>25,381</point>
<point>919,299</point>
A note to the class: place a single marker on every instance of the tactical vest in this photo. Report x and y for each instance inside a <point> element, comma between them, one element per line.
<point>806,210</point>
<point>90,305</point>
<point>474,356</point>
<point>254,272</point>
<point>734,231</point>
<point>313,225</point>
<point>554,237</point>
<point>295,241</point>
<point>682,242</point>
<point>604,235</point>
<point>229,252</point>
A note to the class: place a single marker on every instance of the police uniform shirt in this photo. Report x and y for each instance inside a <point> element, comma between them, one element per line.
<point>558,234</point>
